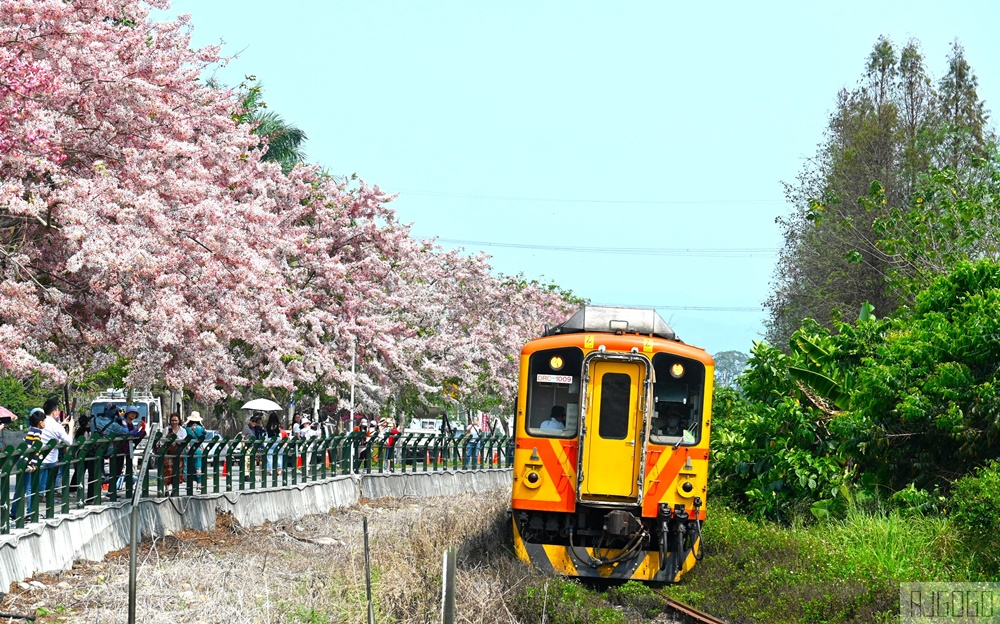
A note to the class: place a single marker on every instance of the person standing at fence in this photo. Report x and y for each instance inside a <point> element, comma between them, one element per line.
<point>253,430</point>
<point>80,434</point>
<point>173,436</point>
<point>362,442</point>
<point>53,429</point>
<point>471,444</point>
<point>273,432</point>
<point>195,431</point>
<point>108,424</point>
<point>390,443</point>
<point>136,427</point>
<point>136,431</point>
<point>56,430</point>
<point>308,432</point>
<point>36,420</point>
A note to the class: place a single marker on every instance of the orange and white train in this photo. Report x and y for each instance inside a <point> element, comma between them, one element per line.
<point>611,452</point>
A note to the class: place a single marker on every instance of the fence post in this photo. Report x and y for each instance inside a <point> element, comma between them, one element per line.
<point>448,587</point>
<point>368,577</point>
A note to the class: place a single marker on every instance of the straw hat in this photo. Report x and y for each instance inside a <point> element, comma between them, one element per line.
<point>194,416</point>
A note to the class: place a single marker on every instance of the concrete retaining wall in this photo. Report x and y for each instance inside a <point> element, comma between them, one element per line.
<point>91,533</point>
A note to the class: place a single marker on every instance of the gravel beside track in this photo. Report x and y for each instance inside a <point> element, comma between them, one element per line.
<point>311,570</point>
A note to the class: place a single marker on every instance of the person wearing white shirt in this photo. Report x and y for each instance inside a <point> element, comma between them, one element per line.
<point>53,430</point>
<point>557,419</point>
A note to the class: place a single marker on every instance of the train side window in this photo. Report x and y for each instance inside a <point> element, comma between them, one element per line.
<point>553,396</point>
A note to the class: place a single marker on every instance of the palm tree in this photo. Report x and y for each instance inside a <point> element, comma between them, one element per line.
<point>281,140</point>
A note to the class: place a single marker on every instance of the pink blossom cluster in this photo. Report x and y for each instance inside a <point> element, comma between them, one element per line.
<point>138,221</point>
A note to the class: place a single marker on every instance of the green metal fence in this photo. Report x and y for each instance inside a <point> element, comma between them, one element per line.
<point>100,470</point>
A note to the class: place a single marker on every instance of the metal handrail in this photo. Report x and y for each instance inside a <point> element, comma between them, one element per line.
<point>93,470</point>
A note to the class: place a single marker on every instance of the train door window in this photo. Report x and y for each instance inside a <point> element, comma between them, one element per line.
<point>554,392</point>
<point>678,400</point>
<point>616,395</point>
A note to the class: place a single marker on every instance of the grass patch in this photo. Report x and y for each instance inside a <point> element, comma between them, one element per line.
<point>841,571</point>
<point>564,601</point>
<point>636,597</point>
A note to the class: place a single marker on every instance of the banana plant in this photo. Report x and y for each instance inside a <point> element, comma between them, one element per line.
<point>820,377</point>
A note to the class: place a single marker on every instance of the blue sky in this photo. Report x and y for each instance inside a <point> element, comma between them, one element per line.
<point>605,126</point>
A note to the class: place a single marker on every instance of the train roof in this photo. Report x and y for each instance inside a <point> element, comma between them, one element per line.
<point>614,320</point>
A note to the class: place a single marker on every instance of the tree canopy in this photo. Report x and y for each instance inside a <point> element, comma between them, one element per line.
<point>896,217</point>
<point>142,223</point>
<point>884,139</point>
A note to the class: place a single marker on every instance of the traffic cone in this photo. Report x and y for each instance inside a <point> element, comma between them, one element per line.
<point>225,467</point>
<point>327,455</point>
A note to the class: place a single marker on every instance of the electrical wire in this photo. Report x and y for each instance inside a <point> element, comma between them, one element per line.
<point>720,252</point>
<point>580,200</point>
<point>686,308</point>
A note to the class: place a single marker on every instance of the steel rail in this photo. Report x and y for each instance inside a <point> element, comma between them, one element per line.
<point>687,613</point>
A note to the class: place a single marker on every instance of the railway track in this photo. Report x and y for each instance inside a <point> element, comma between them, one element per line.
<point>686,613</point>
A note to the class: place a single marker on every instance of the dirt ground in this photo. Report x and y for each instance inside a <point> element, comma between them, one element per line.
<point>311,570</point>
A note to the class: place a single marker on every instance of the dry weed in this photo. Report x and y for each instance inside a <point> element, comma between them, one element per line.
<point>308,571</point>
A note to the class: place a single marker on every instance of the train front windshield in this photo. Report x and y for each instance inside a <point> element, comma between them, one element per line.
<point>554,392</point>
<point>679,400</point>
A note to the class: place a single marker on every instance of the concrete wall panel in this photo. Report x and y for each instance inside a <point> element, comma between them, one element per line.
<point>91,533</point>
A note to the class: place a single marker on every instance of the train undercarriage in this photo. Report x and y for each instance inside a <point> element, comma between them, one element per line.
<point>611,543</point>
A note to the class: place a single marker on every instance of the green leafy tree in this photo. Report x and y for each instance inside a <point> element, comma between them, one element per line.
<point>20,397</point>
<point>883,138</point>
<point>789,442</point>
<point>830,264</point>
<point>950,218</point>
<point>963,136</point>
<point>929,398</point>
<point>890,408</point>
<point>772,453</point>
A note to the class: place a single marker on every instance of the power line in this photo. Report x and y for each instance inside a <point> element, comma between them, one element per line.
<point>720,252</point>
<point>571,200</point>
<point>689,308</point>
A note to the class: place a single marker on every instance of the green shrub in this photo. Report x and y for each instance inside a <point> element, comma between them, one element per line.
<point>911,501</point>
<point>976,512</point>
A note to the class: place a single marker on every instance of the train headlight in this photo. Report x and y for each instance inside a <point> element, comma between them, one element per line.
<point>532,479</point>
<point>676,370</point>
<point>556,363</point>
<point>685,489</point>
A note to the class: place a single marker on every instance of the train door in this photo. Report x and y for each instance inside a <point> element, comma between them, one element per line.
<point>611,446</point>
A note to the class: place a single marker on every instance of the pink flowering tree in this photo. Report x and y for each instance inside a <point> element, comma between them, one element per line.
<point>139,223</point>
<point>138,217</point>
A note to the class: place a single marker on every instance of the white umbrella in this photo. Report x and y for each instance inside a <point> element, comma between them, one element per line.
<point>262,405</point>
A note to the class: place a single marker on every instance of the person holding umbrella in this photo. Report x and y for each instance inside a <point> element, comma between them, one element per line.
<point>6,417</point>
